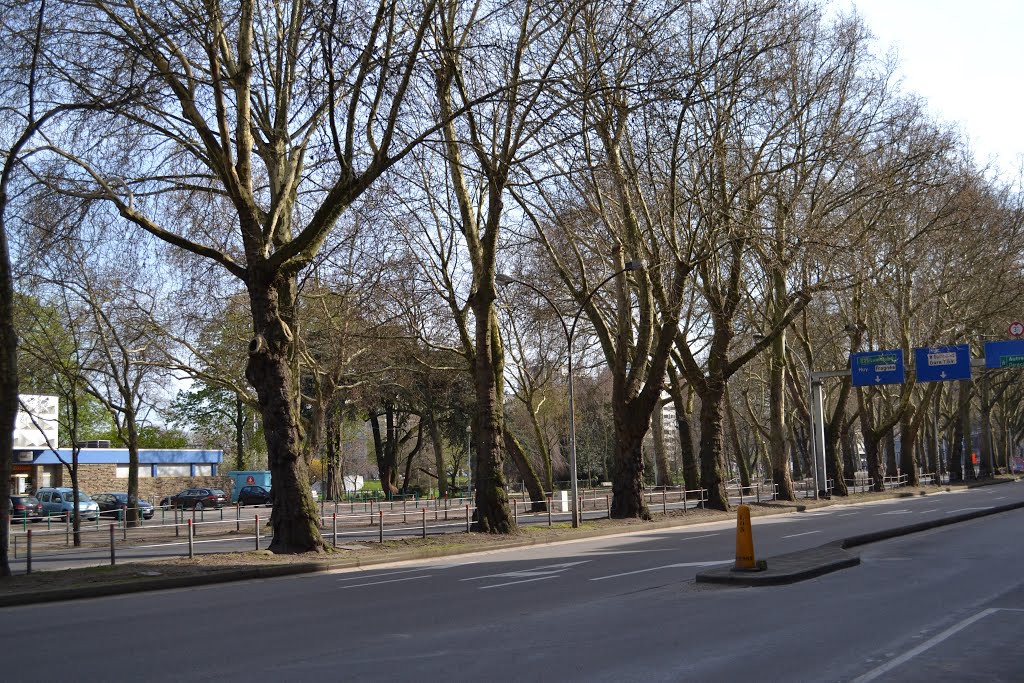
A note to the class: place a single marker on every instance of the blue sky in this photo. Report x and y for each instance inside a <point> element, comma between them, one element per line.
<point>966,59</point>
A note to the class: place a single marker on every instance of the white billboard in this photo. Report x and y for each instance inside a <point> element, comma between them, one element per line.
<point>36,424</point>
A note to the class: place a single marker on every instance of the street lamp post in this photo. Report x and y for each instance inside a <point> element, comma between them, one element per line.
<point>570,332</point>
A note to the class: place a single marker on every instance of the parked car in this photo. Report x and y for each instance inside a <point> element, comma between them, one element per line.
<point>25,507</point>
<point>111,503</point>
<point>254,495</point>
<point>197,499</point>
<point>60,502</point>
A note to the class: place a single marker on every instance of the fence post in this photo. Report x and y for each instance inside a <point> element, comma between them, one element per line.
<point>608,505</point>
<point>515,511</point>
<point>67,529</point>
<point>381,527</point>
<point>467,518</point>
<point>758,492</point>
<point>664,500</point>
<point>335,527</point>
<point>238,516</point>
<point>550,503</point>
<point>112,544</point>
<point>257,525</point>
<point>191,548</point>
<point>702,499</point>
<point>28,551</point>
<point>424,512</point>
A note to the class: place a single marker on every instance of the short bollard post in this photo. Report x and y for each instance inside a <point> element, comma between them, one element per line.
<point>664,501</point>
<point>515,511</point>
<point>238,516</point>
<point>335,529</point>
<point>579,509</point>
<point>28,551</point>
<point>191,548</point>
<point>549,510</point>
<point>112,561</point>
<point>124,527</point>
<point>380,526</point>
<point>467,519</point>
<point>257,525</point>
<point>758,492</point>
<point>608,505</point>
<point>222,514</point>
<point>371,515</point>
<point>702,499</point>
<point>176,532</point>
<point>67,529</point>
<point>424,521</point>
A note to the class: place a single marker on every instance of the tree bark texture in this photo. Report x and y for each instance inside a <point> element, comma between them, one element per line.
<point>269,371</point>
<point>628,466</point>
<point>712,466</point>
<point>492,512</point>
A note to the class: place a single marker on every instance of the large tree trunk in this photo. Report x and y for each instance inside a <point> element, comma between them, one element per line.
<point>737,449</point>
<point>691,471</point>
<point>492,511</point>
<point>891,464</point>
<point>628,474</point>
<point>8,392</point>
<point>712,466</point>
<point>778,450</point>
<point>965,430</point>
<point>133,467</point>
<point>957,460</point>
<point>874,458</point>
<point>435,441</point>
<point>908,449</point>
<point>269,371</point>
<point>533,486</point>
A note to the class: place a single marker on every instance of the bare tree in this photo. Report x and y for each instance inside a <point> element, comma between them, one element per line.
<point>277,118</point>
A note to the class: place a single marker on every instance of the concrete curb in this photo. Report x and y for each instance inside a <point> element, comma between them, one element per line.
<point>807,564</point>
<point>784,569</point>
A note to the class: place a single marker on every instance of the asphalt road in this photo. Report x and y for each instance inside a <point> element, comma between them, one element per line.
<point>943,605</point>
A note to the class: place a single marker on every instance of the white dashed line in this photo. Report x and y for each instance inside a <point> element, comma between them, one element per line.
<point>806,533</point>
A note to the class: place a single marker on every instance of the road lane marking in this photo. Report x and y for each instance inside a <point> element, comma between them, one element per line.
<point>803,534</point>
<point>846,514</point>
<point>987,507</point>
<point>927,511</point>
<point>536,571</point>
<point>363,576</point>
<point>378,583</point>
<point>513,583</point>
<point>893,512</point>
<point>667,566</point>
<point>693,538</point>
<point>928,644</point>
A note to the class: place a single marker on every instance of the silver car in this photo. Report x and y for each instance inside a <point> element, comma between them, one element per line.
<point>60,502</point>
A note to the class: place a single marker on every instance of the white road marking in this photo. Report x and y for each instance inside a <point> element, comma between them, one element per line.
<point>377,583</point>
<point>987,507</point>
<point>927,511</point>
<point>846,514</point>
<point>667,566</point>
<point>928,644</point>
<point>536,571</point>
<point>893,512</point>
<point>404,571</point>
<point>513,583</point>
<point>803,534</point>
<point>693,538</point>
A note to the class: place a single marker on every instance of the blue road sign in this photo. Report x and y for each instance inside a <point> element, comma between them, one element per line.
<point>876,367</point>
<point>1004,354</point>
<point>942,363</point>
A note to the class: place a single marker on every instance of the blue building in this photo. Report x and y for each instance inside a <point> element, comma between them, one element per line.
<point>161,471</point>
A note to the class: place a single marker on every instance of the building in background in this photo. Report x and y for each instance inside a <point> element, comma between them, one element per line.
<point>39,461</point>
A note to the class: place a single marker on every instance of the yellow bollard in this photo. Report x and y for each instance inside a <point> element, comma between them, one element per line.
<point>745,542</point>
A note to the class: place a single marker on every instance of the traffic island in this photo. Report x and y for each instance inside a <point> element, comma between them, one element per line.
<point>783,569</point>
